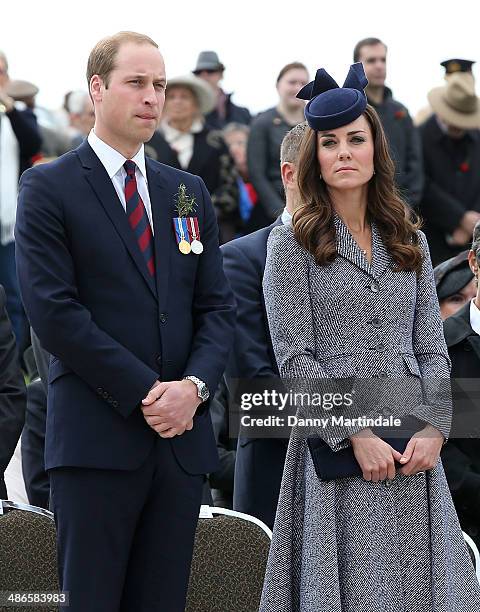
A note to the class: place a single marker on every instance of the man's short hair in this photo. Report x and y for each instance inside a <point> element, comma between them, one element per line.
<point>101,60</point>
<point>366,42</point>
<point>476,241</point>
<point>3,58</point>
<point>291,142</point>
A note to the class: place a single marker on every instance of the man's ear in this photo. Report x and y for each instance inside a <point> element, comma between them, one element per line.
<point>288,171</point>
<point>96,88</point>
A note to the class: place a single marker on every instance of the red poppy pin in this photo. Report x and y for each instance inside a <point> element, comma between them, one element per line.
<point>400,114</point>
<point>464,167</point>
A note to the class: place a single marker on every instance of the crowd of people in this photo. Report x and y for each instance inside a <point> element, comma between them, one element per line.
<point>301,312</point>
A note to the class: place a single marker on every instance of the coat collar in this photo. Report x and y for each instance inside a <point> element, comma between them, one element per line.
<point>457,328</point>
<point>348,248</point>
<point>162,212</point>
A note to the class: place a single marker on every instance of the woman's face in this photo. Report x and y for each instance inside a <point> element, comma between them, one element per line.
<point>345,155</point>
<point>237,145</point>
<point>452,304</point>
<point>180,104</point>
<point>289,85</point>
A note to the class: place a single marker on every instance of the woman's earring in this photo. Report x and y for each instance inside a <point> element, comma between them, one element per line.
<point>320,176</point>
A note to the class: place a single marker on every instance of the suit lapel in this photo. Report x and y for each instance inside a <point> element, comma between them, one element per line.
<point>380,256</point>
<point>101,184</point>
<point>163,212</point>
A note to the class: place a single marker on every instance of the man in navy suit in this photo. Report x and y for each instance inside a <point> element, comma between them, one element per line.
<point>259,461</point>
<point>127,317</point>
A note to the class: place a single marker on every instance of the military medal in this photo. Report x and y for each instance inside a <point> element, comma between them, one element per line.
<point>194,231</point>
<point>181,234</point>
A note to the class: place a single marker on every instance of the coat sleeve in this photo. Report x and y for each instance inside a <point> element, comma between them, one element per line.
<point>257,158</point>
<point>12,393</point>
<point>250,357</point>
<point>25,128</point>
<point>65,328</point>
<point>431,350</point>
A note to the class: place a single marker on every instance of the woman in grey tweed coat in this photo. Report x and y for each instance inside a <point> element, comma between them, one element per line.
<point>349,292</point>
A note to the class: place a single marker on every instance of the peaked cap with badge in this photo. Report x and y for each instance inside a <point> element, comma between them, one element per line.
<point>331,106</point>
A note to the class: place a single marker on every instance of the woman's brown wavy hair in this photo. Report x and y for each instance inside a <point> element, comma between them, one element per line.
<point>313,220</point>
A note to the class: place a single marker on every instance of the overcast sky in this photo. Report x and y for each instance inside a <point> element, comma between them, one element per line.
<point>48,42</point>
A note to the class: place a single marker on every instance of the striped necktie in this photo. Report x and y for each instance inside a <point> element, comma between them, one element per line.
<point>137,216</point>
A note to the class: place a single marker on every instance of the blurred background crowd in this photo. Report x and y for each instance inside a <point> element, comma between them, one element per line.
<point>203,131</point>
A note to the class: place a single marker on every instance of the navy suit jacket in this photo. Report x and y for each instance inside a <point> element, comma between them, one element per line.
<point>259,462</point>
<point>244,264</point>
<point>111,329</point>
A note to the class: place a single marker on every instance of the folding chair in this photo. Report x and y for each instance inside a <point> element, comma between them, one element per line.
<point>229,562</point>
<point>28,561</point>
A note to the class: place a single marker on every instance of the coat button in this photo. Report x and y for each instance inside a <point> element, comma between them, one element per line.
<point>159,360</point>
<point>388,482</point>
<point>115,404</point>
<point>383,374</point>
<point>105,394</point>
<point>163,317</point>
<point>376,323</point>
<point>380,348</point>
<point>374,287</point>
<point>99,390</point>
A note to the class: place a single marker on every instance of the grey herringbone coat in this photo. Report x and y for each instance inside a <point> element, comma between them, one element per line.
<point>350,545</point>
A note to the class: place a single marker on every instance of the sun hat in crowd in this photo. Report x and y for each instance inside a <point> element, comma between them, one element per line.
<point>331,106</point>
<point>20,90</point>
<point>456,102</point>
<point>200,88</point>
<point>208,60</point>
<point>452,276</point>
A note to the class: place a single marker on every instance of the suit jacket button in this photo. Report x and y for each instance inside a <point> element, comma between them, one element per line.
<point>163,317</point>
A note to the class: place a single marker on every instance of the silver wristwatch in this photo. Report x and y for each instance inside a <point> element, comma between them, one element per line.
<point>202,389</point>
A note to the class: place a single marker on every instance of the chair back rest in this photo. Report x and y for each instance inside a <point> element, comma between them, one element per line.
<point>229,562</point>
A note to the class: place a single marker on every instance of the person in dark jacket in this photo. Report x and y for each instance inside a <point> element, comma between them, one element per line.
<point>184,141</point>
<point>266,135</point>
<point>19,142</point>
<point>259,462</point>
<point>451,148</point>
<point>402,135</point>
<point>12,394</point>
<point>461,455</point>
<point>210,69</point>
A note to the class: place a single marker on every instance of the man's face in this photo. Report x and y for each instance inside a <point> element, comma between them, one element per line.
<point>3,74</point>
<point>128,111</point>
<point>374,60</point>
<point>213,77</point>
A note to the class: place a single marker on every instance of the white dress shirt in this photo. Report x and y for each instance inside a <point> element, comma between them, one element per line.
<point>113,162</point>
<point>474,317</point>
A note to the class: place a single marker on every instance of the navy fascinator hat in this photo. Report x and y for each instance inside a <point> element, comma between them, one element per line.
<point>331,106</point>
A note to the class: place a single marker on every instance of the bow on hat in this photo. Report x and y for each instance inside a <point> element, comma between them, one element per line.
<point>331,106</point>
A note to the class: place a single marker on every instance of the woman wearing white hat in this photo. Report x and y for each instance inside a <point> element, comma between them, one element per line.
<point>184,141</point>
